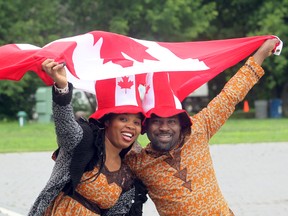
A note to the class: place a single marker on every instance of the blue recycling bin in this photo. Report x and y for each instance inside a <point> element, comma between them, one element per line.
<point>275,109</point>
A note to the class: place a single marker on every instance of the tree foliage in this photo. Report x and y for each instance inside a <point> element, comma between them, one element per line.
<point>18,96</point>
<point>249,18</point>
<point>165,20</point>
<point>27,22</point>
<point>38,23</point>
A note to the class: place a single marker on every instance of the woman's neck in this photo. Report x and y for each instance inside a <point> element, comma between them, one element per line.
<point>113,159</point>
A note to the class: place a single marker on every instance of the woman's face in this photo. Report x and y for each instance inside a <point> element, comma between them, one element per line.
<point>123,129</point>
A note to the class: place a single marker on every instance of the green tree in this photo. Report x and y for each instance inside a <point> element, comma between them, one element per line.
<point>165,20</point>
<point>249,18</point>
<point>32,22</point>
<point>18,96</point>
<point>272,18</point>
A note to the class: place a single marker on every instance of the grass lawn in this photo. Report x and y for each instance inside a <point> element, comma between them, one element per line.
<point>252,131</point>
<point>30,137</point>
<point>41,137</point>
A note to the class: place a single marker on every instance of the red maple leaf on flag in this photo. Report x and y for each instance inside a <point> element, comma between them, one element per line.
<point>114,45</point>
<point>125,83</point>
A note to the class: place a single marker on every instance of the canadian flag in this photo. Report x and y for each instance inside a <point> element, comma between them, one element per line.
<point>99,55</point>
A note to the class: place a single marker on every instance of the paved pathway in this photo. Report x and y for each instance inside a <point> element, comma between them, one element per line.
<point>253,178</point>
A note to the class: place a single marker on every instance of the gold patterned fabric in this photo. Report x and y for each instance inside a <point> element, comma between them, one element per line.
<point>104,191</point>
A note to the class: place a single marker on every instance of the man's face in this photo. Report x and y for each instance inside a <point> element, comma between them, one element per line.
<point>164,133</point>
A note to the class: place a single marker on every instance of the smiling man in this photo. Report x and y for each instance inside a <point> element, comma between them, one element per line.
<point>163,133</point>
<point>176,166</point>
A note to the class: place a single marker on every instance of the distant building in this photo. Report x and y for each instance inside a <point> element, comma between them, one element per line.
<point>197,100</point>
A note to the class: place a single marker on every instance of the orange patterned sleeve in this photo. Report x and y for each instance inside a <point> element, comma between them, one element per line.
<point>235,90</point>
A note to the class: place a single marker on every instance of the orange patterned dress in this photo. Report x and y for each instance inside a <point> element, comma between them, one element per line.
<point>104,191</point>
<point>183,181</point>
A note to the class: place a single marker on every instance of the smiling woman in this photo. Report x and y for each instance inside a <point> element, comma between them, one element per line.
<point>88,162</point>
<point>122,129</point>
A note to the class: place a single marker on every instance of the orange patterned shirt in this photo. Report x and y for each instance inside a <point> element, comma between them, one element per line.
<point>183,181</point>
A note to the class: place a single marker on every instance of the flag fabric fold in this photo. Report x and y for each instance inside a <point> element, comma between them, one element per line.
<point>101,55</point>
